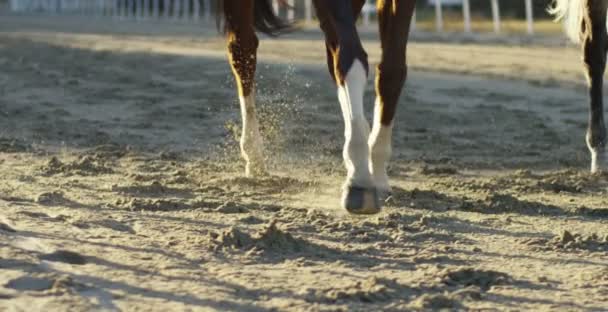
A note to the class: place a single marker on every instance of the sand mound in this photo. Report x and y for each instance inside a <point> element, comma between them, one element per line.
<point>8,145</point>
<point>274,239</point>
<point>438,170</point>
<point>435,302</point>
<point>271,239</point>
<point>84,166</point>
<point>567,240</point>
<point>232,238</point>
<point>139,204</point>
<point>268,185</point>
<point>506,203</point>
<point>108,151</point>
<point>368,291</point>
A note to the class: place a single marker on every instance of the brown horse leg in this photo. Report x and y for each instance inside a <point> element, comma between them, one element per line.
<point>394,21</point>
<point>331,36</point>
<point>242,54</point>
<point>348,66</point>
<point>595,43</point>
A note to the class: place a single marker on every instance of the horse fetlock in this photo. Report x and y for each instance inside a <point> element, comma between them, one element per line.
<point>599,160</point>
<point>597,148</point>
<point>252,152</point>
<point>378,163</point>
<point>255,169</point>
<point>381,181</point>
<point>255,164</point>
<point>380,154</point>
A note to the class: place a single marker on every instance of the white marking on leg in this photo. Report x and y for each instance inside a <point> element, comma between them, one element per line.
<point>252,145</point>
<point>356,127</point>
<point>380,145</point>
<point>599,158</point>
<point>595,161</point>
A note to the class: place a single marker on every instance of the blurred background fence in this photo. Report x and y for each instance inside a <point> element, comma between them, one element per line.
<point>468,16</point>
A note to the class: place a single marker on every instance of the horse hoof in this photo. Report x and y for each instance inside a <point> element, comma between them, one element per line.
<point>256,171</point>
<point>361,201</point>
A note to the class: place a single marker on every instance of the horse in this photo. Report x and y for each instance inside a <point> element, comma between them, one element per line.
<point>585,23</point>
<point>367,150</point>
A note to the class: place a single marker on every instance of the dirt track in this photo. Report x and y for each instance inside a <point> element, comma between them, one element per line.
<point>122,187</point>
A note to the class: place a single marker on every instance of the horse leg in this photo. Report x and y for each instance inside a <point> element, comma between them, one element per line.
<point>595,43</point>
<point>394,21</point>
<point>242,54</point>
<point>348,66</point>
<point>330,32</point>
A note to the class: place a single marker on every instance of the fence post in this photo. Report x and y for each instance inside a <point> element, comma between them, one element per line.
<point>176,9</point>
<point>130,5</point>
<point>146,9</point>
<point>466,13</point>
<point>530,17</point>
<point>438,16</point>
<point>114,8</point>
<point>308,7</point>
<point>101,7</point>
<point>207,8</point>
<point>196,10</point>
<point>496,16</point>
<point>291,11</point>
<point>166,8</point>
<point>138,9</point>
<point>186,10</point>
<point>155,8</point>
<point>123,9</point>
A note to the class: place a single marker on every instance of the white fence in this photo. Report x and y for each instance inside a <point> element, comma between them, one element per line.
<point>195,10</point>
<point>186,10</point>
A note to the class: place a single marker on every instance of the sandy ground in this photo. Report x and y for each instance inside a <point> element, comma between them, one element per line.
<point>122,187</point>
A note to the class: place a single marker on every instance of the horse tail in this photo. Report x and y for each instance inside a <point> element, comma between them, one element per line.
<point>265,19</point>
<point>571,13</point>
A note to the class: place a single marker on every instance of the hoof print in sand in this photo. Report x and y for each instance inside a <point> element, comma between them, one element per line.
<point>43,283</point>
<point>230,208</point>
<point>479,278</point>
<point>6,228</point>
<point>30,283</point>
<point>64,256</point>
<point>51,198</point>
